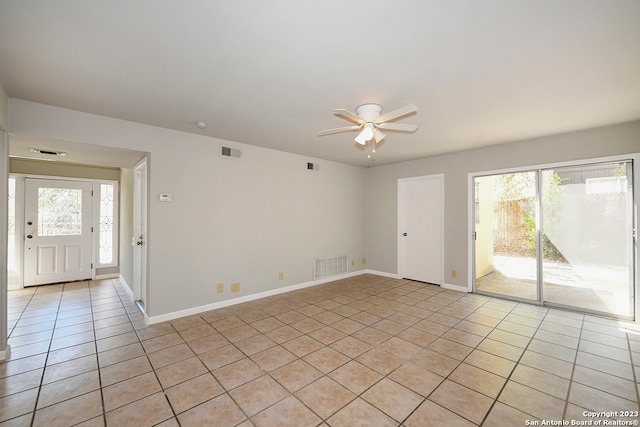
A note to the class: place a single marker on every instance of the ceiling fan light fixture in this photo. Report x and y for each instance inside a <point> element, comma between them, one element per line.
<point>366,134</point>
<point>378,136</point>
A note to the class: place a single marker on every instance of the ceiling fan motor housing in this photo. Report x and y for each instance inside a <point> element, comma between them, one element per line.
<point>369,112</point>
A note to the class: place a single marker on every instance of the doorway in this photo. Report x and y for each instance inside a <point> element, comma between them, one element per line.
<point>140,235</point>
<point>57,229</point>
<point>559,236</point>
<point>420,228</point>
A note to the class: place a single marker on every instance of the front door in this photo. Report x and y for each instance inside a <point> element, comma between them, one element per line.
<point>420,221</point>
<point>57,231</point>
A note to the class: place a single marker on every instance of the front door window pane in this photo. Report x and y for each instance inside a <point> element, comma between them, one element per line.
<point>59,212</point>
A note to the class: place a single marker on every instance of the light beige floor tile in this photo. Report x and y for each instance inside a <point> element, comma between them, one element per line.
<point>208,343</point>
<point>355,376</point>
<point>362,411</point>
<point>435,362</point>
<point>70,412</point>
<point>541,381</point>
<point>326,359</point>
<point>325,396</point>
<point>124,370</point>
<point>327,335</point>
<point>273,358</point>
<point>380,360</point>
<point>302,345</point>
<point>178,372</point>
<point>433,415</point>
<point>258,394</point>
<point>283,334</point>
<point>218,412</point>
<point>162,342</point>
<point>128,391</point>
<point>392,399</point>
<point>597,400</point>
<point>416,378</point>
<point>296,375</point>
<point>503,415</point>
<point>351,347</point>
<point>478,379</point>
<point>148,411</point>
<point>70,368</point>
<point>289,412</point>
<point>20,382</point>
<point>67,388</point>
<point>461,400</point>
<point>170,355</point>
<point>18,404</point>
<point>237,373</point>
<point>531,401</point>
<point>193,392</point>
<point>254,344</point>
<point>220,357</point>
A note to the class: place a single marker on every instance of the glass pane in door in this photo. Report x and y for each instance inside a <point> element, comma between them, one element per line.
<point>587,252</point>
<point>505,227</point>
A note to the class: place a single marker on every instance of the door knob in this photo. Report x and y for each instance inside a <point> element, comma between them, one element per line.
<point>404,234</point>
<point>29,236</point>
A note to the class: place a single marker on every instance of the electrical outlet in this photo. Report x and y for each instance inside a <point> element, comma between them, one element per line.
<point>220,287</point>
<point>353,262</point>
<point>454,273</point>
<point>235,287</point>
<point>364,260</point>
<point>281,276</point>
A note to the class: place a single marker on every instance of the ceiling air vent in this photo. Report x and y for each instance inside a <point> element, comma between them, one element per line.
<point>230,152</point>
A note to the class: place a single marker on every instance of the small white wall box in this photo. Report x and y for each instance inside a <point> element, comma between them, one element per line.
<point>165,197</point>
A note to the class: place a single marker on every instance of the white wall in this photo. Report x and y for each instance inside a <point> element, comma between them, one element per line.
<point>231,220</point>
<point>381,190</point>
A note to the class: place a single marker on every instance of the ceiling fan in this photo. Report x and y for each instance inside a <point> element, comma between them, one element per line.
<point>368,118</point>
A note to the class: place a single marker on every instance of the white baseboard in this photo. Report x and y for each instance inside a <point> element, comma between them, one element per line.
<point>458,288</point>
<point>150,320</point>
<point>4,354</point>
<point>107,276</point>
<point>126,286</point>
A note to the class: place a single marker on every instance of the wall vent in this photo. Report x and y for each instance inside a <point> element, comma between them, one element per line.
<point>230,152</point>
<point>326,267</point>
<point>313,166</point>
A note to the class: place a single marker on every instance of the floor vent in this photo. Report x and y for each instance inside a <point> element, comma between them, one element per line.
<point>326,267</point>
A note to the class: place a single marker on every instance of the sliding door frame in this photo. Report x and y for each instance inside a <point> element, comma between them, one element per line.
<point>635,196</point>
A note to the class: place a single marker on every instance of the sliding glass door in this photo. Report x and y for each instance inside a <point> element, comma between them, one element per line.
<point>505,235</point>
<point>558,236</point>
<point>587,237</point>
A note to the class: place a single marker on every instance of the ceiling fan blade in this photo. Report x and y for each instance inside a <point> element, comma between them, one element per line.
<point>337,130</point>
<point>395,114</point>
<point>401,127</point>
<point>348,115</point>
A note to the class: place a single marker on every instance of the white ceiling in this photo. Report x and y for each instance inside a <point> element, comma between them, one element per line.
<point>270,73</point>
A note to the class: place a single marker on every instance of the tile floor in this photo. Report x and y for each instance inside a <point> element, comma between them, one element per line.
<point>368,350</point>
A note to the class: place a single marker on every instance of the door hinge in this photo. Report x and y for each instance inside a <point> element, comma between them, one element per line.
<point>92,229</point>
<point>475,235</point>
<point>92,266</point>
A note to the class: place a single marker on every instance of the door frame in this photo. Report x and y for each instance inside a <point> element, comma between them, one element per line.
<point>401,225</point>
<point>634,158</point>
<point>140,227</point>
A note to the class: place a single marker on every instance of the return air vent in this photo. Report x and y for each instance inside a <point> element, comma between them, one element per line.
<point>326,267</point>
<point>230,152</point>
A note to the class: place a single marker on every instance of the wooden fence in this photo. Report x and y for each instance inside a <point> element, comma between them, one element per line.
<point>510,228</point>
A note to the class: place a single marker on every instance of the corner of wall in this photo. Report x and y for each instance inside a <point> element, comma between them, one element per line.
<point>4,110</point>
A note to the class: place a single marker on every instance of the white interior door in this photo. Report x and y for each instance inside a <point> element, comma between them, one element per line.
<point>57,231</point>
<point>140,234</point>
<point>420,226</point>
